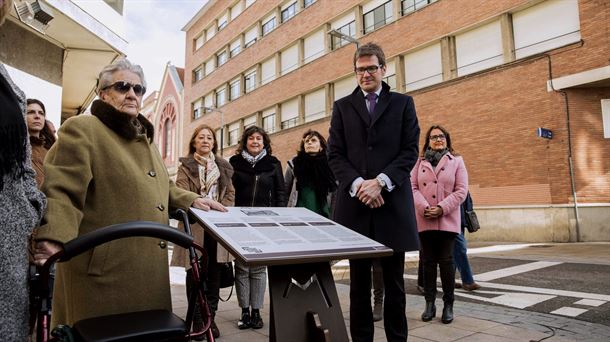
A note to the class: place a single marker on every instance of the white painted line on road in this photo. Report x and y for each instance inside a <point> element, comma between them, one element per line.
<point>512,299</point>
<point>553,292</point>
<point>507,272</point>
<point>569,311</point>
<point>590,302</point>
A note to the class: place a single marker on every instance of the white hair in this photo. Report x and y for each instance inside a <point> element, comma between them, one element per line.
<point>105,76</point>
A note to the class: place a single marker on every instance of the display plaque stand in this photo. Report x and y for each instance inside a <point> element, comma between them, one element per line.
<point>297,245</point>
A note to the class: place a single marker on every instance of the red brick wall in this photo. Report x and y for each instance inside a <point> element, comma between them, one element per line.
<point>492,115</point>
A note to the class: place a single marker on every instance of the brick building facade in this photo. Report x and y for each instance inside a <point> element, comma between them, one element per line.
<point>491,72</point>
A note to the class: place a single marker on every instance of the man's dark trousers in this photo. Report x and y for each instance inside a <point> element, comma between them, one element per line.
<point>394,305</point>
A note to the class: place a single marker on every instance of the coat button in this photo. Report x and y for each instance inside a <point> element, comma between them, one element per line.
<point>442,169</point>
<point>424,184</point>
<point>162,244</point>
<point>370,148</point>
<point>423,170</point>
<point>160,207</point>
<point>433,196</point>
<point>152,173</point>
<point>435,182</point>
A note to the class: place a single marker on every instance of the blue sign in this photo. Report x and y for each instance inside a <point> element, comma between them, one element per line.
<point>545,133</point>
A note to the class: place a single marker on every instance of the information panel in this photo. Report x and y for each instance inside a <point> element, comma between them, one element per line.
<point>274,236</point>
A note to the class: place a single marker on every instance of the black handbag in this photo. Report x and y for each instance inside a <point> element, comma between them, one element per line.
<point>227,278</point>
<point>472,222</point>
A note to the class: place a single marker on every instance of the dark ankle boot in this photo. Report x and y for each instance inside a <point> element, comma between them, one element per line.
<point>447,313</point>
<point>429,312</point>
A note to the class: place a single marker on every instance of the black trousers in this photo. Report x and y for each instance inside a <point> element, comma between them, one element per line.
<point>394,305</point>
<point>212,280</point>
<point>437,249</point>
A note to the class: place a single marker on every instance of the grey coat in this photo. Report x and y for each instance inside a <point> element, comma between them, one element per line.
<point>21,208</point>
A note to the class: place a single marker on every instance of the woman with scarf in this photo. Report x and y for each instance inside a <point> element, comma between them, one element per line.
<point>440,183</point>
<point>258,182</point>
<point>209,175</point>
<point>105,169</point>
<point>40,137</point>
<point>309,180</point>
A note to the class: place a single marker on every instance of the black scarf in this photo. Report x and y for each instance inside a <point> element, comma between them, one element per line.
<point>434,156</point>
<point>313,171</point>
<point>122,123</point>
<point>13,134</point>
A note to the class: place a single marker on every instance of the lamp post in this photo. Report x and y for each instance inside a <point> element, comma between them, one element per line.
<point>222,126</point>
<point>339,34</point>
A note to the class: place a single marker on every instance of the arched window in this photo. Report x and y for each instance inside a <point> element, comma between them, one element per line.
<point>167,139</point>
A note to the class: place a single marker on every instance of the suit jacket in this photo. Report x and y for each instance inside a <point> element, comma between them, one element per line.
<point>363,147</point>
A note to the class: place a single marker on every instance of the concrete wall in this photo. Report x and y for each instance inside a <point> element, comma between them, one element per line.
<point>542,224</point>
<point>29,53</point>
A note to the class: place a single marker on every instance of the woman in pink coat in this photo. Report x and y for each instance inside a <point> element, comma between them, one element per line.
<point>440,184</point>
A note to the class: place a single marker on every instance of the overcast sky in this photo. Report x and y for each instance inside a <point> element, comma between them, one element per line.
<point>155,36</point>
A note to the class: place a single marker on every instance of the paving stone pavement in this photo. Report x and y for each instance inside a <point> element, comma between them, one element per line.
<point>473,322</point>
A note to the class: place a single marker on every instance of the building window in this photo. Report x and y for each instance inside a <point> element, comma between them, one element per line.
<point>378,17</point>
<point>391,81</point>
<point>348,30</point>
<point>289,12</point>
<point>409,6</point>
<point>235,48</point>
<point>289,123</point>
<point>250,81</point>
<point>221,97</point>
<point>199,41</point>
<point>221,58</point>
<point>269,123</point>
<point>233,136</point>
<point>308,3</point>
<point>167,139</point>
<point>268,26</point>
<point>197,109</point>
<point>250,42</point>
<point>235,89</point>
<point>198,74</point>
<point>222,24</point>
<point>250,36</point>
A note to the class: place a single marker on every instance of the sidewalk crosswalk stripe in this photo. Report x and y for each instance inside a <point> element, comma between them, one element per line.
<point>506,272</point>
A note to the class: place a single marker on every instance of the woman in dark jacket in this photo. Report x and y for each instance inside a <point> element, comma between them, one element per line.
<point>209,175</point>
<point>258,182</point>
<point>309,180</point>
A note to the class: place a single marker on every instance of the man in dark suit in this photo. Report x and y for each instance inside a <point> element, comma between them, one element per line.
<point>373,146</point>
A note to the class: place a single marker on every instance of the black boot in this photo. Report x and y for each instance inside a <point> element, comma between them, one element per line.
<point>447,313</point>
<point>430,312</point>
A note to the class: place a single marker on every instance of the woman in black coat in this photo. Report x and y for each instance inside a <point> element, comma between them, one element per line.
<point>258,182</point>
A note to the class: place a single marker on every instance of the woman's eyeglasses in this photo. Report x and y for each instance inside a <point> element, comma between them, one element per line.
<point>371,69</point>
<point>437,137</point>
<point>123,87</point>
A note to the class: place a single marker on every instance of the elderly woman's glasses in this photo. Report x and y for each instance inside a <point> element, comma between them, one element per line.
<point>123,88</point>
<point>437,137</point>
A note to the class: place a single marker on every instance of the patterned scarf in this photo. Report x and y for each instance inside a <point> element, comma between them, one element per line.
<point>251,159</point>
<point>208,176</point>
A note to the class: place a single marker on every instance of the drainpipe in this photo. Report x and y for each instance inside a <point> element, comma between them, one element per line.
<point>570,161</point>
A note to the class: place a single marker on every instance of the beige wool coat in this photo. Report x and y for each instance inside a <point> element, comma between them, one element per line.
<point>101,172</point>
<point>188,178</point>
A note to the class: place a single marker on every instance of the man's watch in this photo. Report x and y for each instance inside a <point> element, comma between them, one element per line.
<point>381,182</point>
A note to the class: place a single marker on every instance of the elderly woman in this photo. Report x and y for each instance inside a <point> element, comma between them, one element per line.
<point>440,183</point>
<point>21,205</point>
<point>209,175</point>
<point>258,182</point>
<point>104,169</point>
